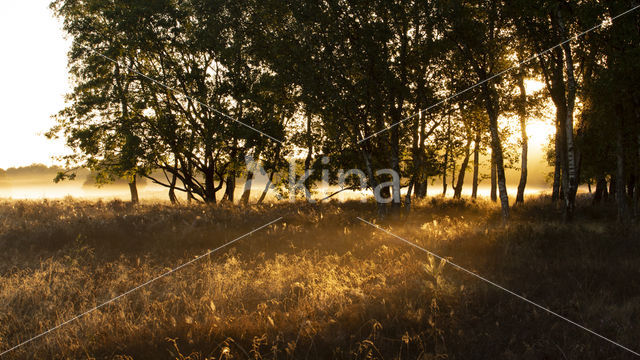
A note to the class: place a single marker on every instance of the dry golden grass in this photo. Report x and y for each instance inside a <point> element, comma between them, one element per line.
<point>319,284</point>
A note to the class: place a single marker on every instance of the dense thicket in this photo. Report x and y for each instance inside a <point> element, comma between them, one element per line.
<point>180,92</point>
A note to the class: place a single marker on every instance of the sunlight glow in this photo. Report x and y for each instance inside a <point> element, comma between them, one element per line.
<point>533,86</point>
<point>539,133</point>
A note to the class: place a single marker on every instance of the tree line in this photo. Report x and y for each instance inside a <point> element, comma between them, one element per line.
<point>175,91</point>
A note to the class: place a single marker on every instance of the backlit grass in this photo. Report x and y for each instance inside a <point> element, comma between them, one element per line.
<point>320,284</point>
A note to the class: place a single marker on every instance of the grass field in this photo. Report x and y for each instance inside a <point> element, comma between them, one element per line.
<point>320,284</point>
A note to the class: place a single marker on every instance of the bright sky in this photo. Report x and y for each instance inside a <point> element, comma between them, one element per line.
<point>33,81</point>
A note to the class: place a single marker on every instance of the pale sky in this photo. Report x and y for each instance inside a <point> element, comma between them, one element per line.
<point>33,81</point>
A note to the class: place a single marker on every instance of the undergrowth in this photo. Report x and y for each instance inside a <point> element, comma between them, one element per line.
<point>318,284</point>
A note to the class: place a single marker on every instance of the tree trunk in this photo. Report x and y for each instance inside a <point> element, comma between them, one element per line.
<point>407,198</point>
<point>476,166</point>
<point>502,183</point>
<point>246,194</point>
<point>420,184</point>
<point>266,188</point>
<point>373,183</point>
<point>231,186</point>
<point>557,171</point>
<point>494,178</point>
<point>395,165</point>
<point>492,107</point>
<point>463,169</point>
<point>570,170</point>
<point>128,161</point>
<point>570,197</point>
<point>621,195</point>
<point>446,157</point>
<point>525,140</point>
<point>421,189</point>
<point>418,129</point>
<point>209,187</point>
<point>454,166</point>
<point>558,96</point>
<point>133,189</point>
<point>230,182</point>
<point>453,173</point>
<point>612,188</point>
<point>187,181</point>
<point>444,172</point>
<point>172,189</point>
<point>276,156</point>
<point>562,151</point>
<point>601,189</point>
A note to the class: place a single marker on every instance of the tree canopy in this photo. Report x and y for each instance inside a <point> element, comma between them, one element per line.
<point>188,89</point>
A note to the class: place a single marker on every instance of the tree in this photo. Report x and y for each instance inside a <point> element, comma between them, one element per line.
<point>170,87</point>
<point>610,110</point>
<point>358,67</point>
<point>477,30</point>
<point>522,115</point>
<point>102,121</point>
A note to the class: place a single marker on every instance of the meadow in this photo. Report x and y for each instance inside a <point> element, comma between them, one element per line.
<point>319,284</point>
